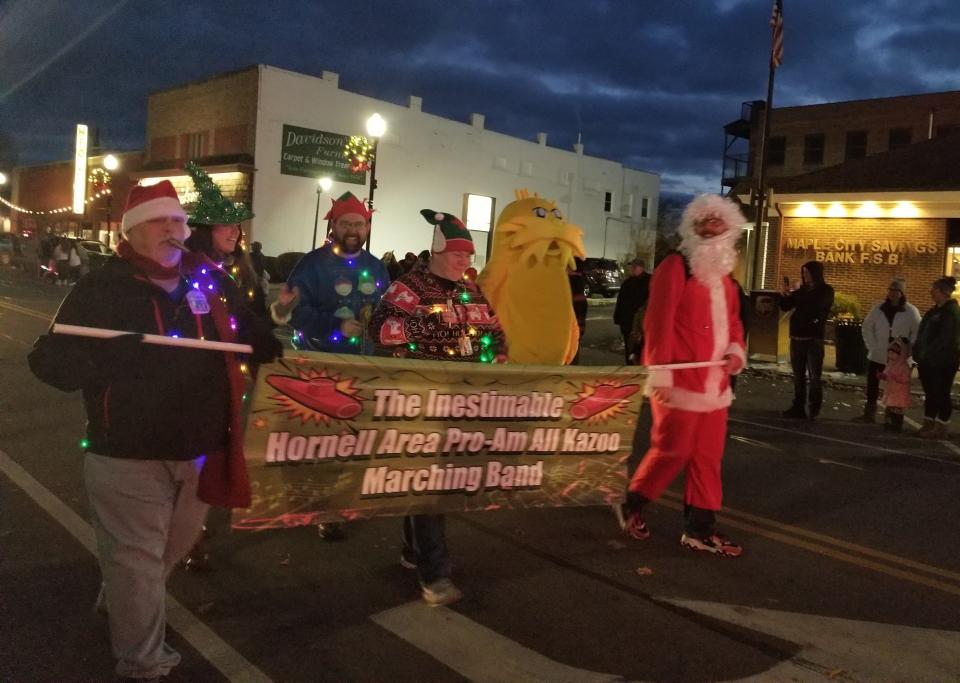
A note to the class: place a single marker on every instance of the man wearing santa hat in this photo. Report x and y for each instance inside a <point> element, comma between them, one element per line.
<point>163,423</point>
<point>692,316</point>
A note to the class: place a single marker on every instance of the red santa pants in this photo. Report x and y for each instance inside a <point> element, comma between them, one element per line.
<point>681,439</point>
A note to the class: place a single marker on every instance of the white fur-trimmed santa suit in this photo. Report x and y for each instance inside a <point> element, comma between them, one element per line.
<point>687,320</point>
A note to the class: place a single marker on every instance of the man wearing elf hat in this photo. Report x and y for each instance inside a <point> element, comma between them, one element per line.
<point>434,314</point>
<point>693,315</point>
<point>331,292</point>
<point>163,423</point>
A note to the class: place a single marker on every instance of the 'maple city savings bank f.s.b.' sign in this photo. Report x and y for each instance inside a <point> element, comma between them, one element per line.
<point>341,437</point>
<point>861,251</point>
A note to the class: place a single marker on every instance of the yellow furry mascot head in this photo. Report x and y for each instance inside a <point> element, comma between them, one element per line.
<point>526,280</point>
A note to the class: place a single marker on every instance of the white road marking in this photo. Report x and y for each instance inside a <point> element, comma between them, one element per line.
<point>859,445</point>
<point>754,442</point>
<point>952,446</point>
<point>213,648</point>
<point>475,651</point>
<point>910,421</point>
<point>862,650</point>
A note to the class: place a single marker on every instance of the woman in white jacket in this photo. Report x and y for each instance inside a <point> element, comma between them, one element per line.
<point>888,320</point>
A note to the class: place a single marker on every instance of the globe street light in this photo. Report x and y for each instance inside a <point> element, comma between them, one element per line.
<point>3,179</point>
<point>323,185</point>
<point>376,127</point>
<point>110,162</point>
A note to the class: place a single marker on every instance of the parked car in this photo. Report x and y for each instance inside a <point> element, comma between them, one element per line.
<point>603,276</point>
<point>10,247</point>
<point>93,254</point>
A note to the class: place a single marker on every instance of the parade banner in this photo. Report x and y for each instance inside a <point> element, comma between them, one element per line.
<point>315,153</point>
<point>336,437</point>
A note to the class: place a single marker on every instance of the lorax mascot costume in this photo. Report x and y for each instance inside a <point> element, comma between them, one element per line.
<point>526,281</point>
<point>693,314</point>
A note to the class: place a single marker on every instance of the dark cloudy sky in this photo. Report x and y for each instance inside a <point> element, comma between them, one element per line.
<point>647,82</point>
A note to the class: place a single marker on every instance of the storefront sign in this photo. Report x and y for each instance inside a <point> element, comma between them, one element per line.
<point>333,437</point>
<point>857,251</point>
<point>314,154</point>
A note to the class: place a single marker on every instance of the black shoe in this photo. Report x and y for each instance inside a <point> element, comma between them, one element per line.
<point>331,531</point>
<point>794,412</point>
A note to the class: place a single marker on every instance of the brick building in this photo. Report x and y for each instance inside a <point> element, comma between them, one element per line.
<point>267,135</point>
<point>810,137</point>
<point>45,191</point>
<point>892,214</point>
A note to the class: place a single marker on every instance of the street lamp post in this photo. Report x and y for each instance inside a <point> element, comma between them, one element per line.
<point>376,127</point>
<point>323,185</point>
<point>111,163</point>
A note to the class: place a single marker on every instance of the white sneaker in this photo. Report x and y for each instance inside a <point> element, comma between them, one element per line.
<point>441,592</point>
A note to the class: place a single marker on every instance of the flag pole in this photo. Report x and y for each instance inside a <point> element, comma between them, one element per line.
<point>759,198</point>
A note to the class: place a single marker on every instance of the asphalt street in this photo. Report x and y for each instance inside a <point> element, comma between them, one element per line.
<point>850,573</point>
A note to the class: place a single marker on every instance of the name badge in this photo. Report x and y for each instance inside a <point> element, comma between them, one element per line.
<point>197,302</point>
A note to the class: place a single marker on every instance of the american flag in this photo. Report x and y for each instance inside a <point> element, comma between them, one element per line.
<point>776,25</point>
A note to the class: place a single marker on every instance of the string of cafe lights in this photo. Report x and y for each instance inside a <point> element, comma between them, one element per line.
<point>62,209</point>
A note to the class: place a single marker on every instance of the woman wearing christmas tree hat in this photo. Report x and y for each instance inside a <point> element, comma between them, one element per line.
<point>216,220</point>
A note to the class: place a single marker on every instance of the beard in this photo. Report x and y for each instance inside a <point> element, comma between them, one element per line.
<point>711,258</point>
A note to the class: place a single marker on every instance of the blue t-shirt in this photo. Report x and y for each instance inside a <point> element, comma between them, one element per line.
<point>335,288</point>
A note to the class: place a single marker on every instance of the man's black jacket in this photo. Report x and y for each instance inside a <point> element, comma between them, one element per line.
<point>634,293</point>
<point>153,402</point>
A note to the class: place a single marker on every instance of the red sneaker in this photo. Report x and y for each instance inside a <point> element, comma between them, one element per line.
<point>631,523</point>
<point>714,543</point>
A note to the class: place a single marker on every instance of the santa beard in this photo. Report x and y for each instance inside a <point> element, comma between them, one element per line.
<point>711,258</point>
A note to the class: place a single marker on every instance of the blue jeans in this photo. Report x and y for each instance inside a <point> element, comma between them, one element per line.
<point>806,359</point>
<point>425,542</point>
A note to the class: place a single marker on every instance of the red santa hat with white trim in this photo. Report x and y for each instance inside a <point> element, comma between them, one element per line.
<point>149,202</point>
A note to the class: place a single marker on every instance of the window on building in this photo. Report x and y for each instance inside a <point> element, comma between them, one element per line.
<point>899,137</point>
<point>813,149</point>
<point>645,207</point>
<point>627,208</point>
<point>195,145</point>
<point>777,151</point>
<point>608,201</point>
<point>479,213</point>
<point>856,144</point>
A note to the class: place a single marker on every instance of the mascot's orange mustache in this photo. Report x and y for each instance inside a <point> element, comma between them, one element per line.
<point>534,243</point>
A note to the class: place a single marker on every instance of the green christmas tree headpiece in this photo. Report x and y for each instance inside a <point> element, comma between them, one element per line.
<point>211,207</point>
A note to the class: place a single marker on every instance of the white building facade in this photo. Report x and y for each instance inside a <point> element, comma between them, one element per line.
<point>425,161</point>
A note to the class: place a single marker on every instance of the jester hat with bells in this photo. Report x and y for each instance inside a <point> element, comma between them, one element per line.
<point>526,282</point>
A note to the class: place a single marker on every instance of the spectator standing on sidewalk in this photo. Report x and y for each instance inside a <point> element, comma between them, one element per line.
<point>811,303</point>
<point>891,319</point>
<point>633,296</point>
<point>937,354</point>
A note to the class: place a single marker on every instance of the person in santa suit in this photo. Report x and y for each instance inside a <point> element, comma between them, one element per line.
<point>434,314</point>
<point>693,314</point>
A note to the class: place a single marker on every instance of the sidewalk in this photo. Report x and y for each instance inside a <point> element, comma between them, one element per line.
<point>840,380</point>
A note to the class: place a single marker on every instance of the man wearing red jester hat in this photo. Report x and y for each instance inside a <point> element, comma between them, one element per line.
<point>332,291</point>
<point>692,316</point>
